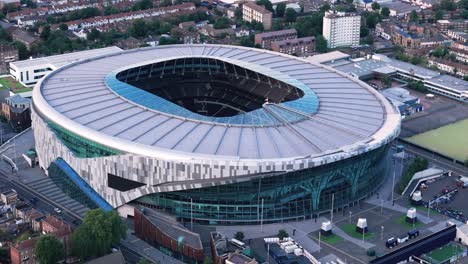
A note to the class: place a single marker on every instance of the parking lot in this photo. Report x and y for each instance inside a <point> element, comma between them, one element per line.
<point>453,204</point>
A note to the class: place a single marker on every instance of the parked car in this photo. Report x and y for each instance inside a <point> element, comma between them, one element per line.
<point>413,233</point>
<point>57,210</point>
<point>391,242</point>
<point>403,239</point>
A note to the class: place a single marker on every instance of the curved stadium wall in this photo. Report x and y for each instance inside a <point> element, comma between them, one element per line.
<point>213,189</point>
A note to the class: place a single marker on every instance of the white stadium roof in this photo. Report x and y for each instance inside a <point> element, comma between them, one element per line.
<point>351,116</point>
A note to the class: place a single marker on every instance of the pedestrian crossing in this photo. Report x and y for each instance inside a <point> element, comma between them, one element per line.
<point>49,189</point>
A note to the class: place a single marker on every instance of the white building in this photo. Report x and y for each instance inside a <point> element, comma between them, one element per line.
<point>341,29</point>
<point>29,72</point>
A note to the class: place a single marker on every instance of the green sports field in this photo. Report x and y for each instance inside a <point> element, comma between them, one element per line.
<point>450,140</point>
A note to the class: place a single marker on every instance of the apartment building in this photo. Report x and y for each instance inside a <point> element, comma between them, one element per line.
<point>299,47</point>
<point>454,25</point>
<point>341,29</point>
<point>252,12</point>
<point>265,39</point>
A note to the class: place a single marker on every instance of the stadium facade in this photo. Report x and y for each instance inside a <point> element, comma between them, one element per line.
<point>222,134</point>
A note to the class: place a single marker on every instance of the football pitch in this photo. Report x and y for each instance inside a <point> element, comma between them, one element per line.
<point>450,140</point>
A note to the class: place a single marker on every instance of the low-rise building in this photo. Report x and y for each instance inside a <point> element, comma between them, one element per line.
<point>9,197</point>
<point>8,53</point>
<point>449,66</point>
<point>165,233</point>
<point>265,39</point>
<point>299,47</point>
<point>460,54</point>
<point>455,25</point>
<point>16,110</point>
<point>253,12</point>
<point>383,30</point>
<point>458,35</point>
<point>59,229</point>
<point>24,252</point>
<point>29,72</point>
<point>23,36</point>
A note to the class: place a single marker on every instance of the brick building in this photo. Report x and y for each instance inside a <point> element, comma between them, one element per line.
<point>167,235</point>
<point>298,47</point>
<point>24,252</point>
<point>252,12</point>
<point>265,39</point>
<point>455,25</point>
<point>16,109</point>
<point>59,229</point>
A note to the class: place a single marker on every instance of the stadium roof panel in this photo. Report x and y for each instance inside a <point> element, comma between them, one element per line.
<point>337,113</point>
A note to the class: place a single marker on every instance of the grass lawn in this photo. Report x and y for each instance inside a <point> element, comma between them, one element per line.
<point>402,221</point>
<point>423,210</point>
<point>448,140</point>
<point>350,229</point>
<point>10,83</point>
<point>445,252</point>
<point>331,239</point>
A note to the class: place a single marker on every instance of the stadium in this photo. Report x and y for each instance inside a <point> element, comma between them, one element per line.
<point>218,134</point>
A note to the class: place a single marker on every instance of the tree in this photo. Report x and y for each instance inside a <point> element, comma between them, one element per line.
<point>23,52</point>
<point>143,261</point>
<point>321,44</point>
<point>325,7</point>
<point>282,234</point>
<point>221,23</point>
<point>239,235</point>
<point>386,81</point>
<point>439,14</point>
<point>49,250</point>
<point>375,6</point>
<point>207,260</point>
<point>139,29</point>
<point>92,35</point>
<point>385,11</point>
<point>364,31</point>
<point>466,163</point>
<point>290,15</point>
<point>349,2</point>
<point>45,32</point>
<point>439,52</point>
<point>63,27</point>
<point>142,5</point>
<point>369,40</point>
<point>266,3</point>
<point>97,233</point>
<point>413,16</point>
<point>280,9</point>
<point>417,164</point>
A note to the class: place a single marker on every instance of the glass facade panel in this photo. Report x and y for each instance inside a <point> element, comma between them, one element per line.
<point>292,195</point>
<point>81,147</point>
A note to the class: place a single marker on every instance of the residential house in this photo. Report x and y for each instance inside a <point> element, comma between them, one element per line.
<point>23,36</point>
<point>449,66</point>
<point>24,252</point>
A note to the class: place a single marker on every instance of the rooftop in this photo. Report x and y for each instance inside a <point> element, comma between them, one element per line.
<point>64,59</point>
<point>172,228</point>
<point>450,82</point>
<point>328,57</point>
<point>258,8</point>
<point>114,258</point>
<point>277,33</point>
<point>126,118</point>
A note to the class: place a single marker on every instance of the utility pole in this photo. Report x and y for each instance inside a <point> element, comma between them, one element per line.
<point>381,232</point>
<point>393,182</point>
<point>332,204</point>
<point>191,214</point>
<point>319,240</point>
<point>381,206</point>
<point>261,218</point>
